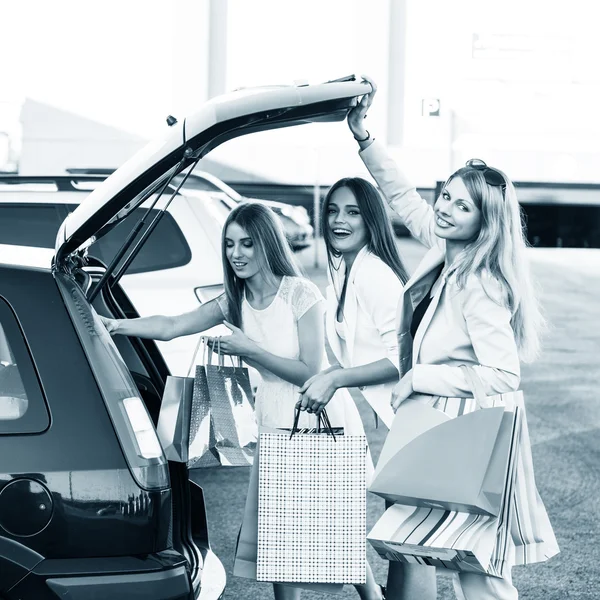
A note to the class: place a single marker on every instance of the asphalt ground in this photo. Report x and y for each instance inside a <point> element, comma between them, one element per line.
<point>563,405</point>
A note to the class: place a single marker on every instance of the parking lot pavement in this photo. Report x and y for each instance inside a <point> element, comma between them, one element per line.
<point>563,406</point>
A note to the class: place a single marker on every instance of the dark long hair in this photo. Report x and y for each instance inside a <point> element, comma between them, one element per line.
<point>273,252</point>
<point>380,237</point>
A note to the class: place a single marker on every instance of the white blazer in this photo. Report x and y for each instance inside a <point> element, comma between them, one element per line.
<point>372,296</point>
<point>469,326</point>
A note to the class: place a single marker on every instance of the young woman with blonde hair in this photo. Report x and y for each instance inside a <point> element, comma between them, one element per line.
<point>470,302</point>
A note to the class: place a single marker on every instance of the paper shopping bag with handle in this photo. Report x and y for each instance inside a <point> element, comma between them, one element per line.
<point>521,532</point>
<point>226,394</point>
<point>312,507</point>
<point>465,459</point>
<point>175,415</point>
<point>246,551</point>
<point>209,420</point>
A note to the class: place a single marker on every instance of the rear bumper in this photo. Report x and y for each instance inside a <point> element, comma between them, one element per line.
<point>173,584</point>
<point>161,576</point>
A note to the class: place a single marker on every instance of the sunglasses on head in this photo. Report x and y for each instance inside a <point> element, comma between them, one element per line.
<point>492,176</point>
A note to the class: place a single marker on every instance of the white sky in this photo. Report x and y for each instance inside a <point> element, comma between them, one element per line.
<point>130,63</point>
<point>99,59</point>
<point>114,59</point>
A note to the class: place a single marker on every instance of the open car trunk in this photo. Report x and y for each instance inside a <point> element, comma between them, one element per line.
<point>189,534</point>
<point>149,173</point>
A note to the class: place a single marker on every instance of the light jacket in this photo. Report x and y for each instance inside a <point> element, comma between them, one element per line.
<point>468,326</point>
<point>372,296</point>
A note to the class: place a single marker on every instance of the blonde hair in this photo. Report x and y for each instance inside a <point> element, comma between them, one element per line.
<point>499,249</point>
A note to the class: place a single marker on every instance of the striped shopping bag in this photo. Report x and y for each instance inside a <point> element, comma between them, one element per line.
<point>451,539</point>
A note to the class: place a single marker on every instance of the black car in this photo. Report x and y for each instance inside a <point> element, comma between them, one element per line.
<point>89,506</point>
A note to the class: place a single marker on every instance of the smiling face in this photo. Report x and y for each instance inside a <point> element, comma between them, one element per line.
<point>457,217</point>
<point>241,252</point>
<point>347,230</point>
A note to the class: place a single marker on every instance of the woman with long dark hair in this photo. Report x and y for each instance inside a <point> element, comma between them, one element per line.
<point>366,278</point>
<point>276,320</point>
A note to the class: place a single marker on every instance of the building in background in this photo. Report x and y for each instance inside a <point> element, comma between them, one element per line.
<point>54,140</point>
<point>511,82</point>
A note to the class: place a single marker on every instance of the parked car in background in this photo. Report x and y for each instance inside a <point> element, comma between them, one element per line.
<point>295,219</point>
<point>178,268</point>
<point>89,506</point>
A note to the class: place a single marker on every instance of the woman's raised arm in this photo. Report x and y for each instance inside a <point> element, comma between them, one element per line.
<point>399,192</point>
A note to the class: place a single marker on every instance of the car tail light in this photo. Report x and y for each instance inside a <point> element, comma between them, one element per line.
<point>133,426</point>
<point>143,429</point>
<point>139,441</point>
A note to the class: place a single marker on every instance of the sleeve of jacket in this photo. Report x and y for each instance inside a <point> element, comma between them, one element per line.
<point>401,194</point>
<point>488,325</point>
<point>378,291</point>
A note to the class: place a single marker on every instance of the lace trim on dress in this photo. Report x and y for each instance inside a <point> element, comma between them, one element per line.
<point>223,305</point>
<point>301,294</point>
<point>298,293</point>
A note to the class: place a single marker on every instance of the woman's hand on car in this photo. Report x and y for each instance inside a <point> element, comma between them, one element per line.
<point>236,344</point>
<point>356,117</point>
<point>317,392</point>
<point>111,324</point>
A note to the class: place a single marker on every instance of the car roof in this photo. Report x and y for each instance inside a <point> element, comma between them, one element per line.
<point>30,192</point>
<point>74,187</point>
<point>63,189</point>
<point>38,197</point>
<point>26,256</point>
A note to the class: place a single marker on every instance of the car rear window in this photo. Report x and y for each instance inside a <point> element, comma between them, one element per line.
<point>166,248</point>
<point>22,405</point>
<point>36,225</point>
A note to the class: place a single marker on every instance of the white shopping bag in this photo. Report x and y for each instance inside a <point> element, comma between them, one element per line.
<point>312,507</point>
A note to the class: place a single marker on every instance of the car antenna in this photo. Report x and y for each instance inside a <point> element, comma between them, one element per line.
<point>135,231</point>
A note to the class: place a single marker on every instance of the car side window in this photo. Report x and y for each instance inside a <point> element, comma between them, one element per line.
<point>30,224</point>
<point>198,183</point>
<point>22,405</point>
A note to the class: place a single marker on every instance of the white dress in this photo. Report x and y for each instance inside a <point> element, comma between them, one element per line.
<point>275,329</point>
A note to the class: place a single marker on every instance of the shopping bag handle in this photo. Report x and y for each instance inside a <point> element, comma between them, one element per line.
<point>207,353</point>
<point>322,420</point>
<point>211,351</point>
<point>201,339</point>
<point>476,385</point>
<point>207,359</point>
